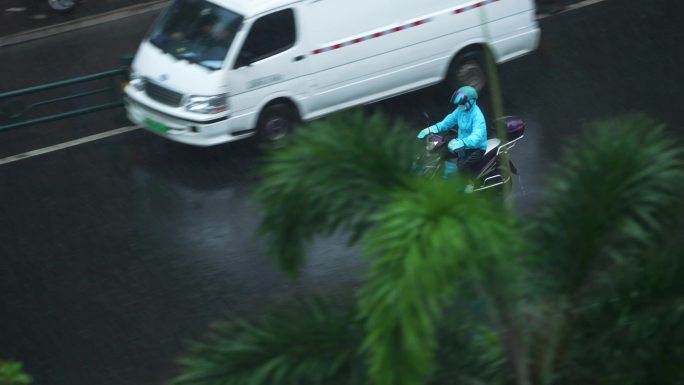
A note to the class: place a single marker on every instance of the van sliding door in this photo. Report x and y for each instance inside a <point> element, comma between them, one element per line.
<point>348,50</point>
<point>512,27</point>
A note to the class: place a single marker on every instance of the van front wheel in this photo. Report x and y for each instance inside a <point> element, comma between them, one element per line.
<point>276,124</point>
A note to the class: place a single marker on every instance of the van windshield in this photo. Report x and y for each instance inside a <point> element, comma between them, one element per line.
<point>197,31</point>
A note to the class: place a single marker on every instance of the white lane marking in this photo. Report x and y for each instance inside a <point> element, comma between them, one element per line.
<point>72,143</point>
<point>570,7</point>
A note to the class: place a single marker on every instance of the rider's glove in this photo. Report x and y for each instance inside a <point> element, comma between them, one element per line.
<point>424,132</point>
<point>455,145</point>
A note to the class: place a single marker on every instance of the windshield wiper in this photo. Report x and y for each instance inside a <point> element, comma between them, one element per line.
<point>199,60</point>
<point>196,60</point>
<point>179,56</point>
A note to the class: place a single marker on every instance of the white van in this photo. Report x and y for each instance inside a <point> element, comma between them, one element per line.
<point>214,71</point>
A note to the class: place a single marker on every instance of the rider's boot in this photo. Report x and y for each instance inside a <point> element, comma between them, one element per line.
<point>450,168</point>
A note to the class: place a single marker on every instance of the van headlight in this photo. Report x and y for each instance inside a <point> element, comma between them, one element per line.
<point>136,81</point>
<point>207,104</point>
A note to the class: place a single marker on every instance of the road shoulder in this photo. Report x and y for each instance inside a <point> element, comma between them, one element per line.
<point>78,23</point>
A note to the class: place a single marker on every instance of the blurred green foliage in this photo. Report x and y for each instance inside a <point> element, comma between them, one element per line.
<point>458,289</point>
<point>11,373</point>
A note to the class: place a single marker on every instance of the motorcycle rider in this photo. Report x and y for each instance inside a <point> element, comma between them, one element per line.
<point>469,146</point>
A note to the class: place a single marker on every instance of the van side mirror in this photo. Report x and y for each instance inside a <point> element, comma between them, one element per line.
<point>244,59</point>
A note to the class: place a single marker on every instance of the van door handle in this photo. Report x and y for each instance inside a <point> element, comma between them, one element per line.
<point>298,58</point>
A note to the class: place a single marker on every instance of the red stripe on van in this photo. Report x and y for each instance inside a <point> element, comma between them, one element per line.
<point>398,28</point>
<point>473,6</point>
<point>357,40</point>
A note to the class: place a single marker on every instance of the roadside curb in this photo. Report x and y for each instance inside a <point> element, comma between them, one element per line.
<point>84,22</point>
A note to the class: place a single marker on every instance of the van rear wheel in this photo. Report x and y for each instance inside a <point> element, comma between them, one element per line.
<point>468,69</point>
<point>62,6</point>
<point>276,124</point>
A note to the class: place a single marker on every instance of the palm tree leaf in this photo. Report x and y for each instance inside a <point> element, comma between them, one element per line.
<point>611,193</point>
<point>469,352</point>
<point>304,342</point>
<point>12,373</point>
<point>611,209</point>
<point>428,238</point>
<point>640,318</point>
<point>333,176</point>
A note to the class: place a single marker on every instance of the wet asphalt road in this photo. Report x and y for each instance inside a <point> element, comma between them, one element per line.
<point>115,252</point>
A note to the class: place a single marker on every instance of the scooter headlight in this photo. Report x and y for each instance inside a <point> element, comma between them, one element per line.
<point>432,142</point>
<point>207,104</point>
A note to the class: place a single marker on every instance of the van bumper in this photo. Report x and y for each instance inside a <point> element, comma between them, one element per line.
<point>197,133</point>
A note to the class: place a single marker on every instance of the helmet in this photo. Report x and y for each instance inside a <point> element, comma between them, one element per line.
<point>465,96</point>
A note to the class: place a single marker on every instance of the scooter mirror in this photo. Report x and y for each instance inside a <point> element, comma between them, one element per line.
<point>427,118</point>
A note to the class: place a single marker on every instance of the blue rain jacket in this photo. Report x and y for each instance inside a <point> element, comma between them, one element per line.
<point>472,128</point>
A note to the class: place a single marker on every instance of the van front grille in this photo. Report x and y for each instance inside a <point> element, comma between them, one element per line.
<point>163,94</point>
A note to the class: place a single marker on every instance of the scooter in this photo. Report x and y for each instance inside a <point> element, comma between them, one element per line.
<point>431,162</point>
<point>62,6</point>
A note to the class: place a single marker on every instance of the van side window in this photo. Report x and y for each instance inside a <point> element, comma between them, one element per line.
<point>271,34</point>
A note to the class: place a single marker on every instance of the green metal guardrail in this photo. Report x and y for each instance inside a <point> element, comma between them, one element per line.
<point>15,114</point>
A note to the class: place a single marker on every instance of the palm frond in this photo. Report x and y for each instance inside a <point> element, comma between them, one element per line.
<point>335,173</point>
<point>602,236</point>
<point>306,342</point>
<point>12,373</point>
<point>633,331</point>
<point>469,351</point>
<point>610,196</point>
<point>428,239</point>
